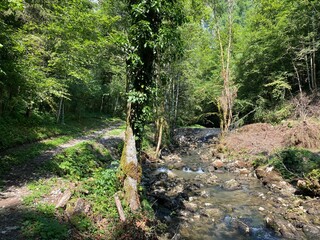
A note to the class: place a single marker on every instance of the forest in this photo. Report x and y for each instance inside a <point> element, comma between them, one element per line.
<point>106,101</point>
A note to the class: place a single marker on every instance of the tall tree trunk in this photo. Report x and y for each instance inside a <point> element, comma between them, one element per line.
<point>130,167</point>
<point>159,137</point>
<point>226,100</point>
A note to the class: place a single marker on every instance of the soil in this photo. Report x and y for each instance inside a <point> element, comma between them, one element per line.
<point>14,187</point>
<point>264,138</point>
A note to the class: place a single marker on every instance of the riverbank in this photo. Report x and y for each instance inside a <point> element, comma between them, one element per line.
<point>203,190</point>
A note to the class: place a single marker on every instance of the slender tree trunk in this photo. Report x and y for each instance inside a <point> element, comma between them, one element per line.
<point>59,110</point>
<point>308,72</point>
<point>130,167</point>
<point>160,137</point>
<point>225,102</point>
<point>102,103</point>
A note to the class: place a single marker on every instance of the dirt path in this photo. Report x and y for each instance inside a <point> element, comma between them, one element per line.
<point>15,185</point>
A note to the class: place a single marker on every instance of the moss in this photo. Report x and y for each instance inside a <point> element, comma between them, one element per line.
<point>132,170</point>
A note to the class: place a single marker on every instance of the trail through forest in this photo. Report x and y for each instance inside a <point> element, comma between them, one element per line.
<point>15,188</point>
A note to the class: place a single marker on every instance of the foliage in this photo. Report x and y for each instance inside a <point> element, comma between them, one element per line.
<point>81,161</point>
<point>312,183</point>
<point>40,226</point>
<point>295,163</point>
<point>87,168</point>
<point>21,131</point>
<point>275,48</point>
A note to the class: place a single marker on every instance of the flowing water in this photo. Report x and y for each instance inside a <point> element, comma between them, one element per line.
<point>240,213</point>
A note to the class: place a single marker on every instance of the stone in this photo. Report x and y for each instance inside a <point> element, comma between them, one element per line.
<point>204,194</point>
<point>192,207</point>
<point>285,228</point>
<point>244,171</point>
<point>313,211</point>
<point>64,199</point>
<point>231,185</point>
<point>215,213</point>
<point>212,179</point>
<point>312,232</point>
<point>171,174</point>
<point>240,164</point>
<point>218,164</point>
<point>80,207</point>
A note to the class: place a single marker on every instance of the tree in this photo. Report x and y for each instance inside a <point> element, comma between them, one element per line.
<point>277,52</point>
<point>148,20</point>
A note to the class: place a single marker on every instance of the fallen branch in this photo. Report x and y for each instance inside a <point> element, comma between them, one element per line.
<point>119,208</point>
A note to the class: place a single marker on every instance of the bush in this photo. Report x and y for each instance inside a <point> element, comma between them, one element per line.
<point>295,163</point>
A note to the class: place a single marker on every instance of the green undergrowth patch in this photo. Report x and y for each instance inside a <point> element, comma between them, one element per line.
<point>45,224</point>
<point>117,131</point>
<point>23,154</point>
<point>90,173</point>
<point>19,156</point>
<point>21,130</point>
<point>296,164</point>
<point>80,161</point>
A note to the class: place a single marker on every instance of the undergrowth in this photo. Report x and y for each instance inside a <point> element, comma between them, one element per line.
<point>296,164</point>
<point>90,173</point>
<point>17,157</point>
<point>21,131</point>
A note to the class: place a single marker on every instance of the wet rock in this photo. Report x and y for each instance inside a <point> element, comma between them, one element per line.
<point>231,185</point>
<point>212,213</point>
<point>284,228</point>
<point>312,232</point>
<point>218,164</point>
<point>192,207</point>
<point>210,169</point>
<point>204,194</point>
<point>163,176</point>
<point>242,226</point>
<point>171,174</point>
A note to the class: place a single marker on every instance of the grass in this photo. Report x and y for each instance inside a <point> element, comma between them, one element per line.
<point>21,130</point>
<point>23,135</point>
<point>85,168</point>
<point>20,156</point>
<point>117,131</point>
<point>90,173</point>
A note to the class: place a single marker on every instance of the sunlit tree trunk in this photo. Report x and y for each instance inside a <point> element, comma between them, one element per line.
<point>226,100</point>
<point>130,168</point>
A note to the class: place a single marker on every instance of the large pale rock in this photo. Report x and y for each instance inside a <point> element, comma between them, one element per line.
<point>218,164</point>
<point>231,185</point>
<point>64,199</point>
